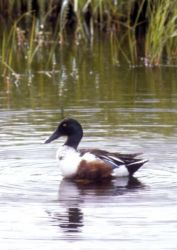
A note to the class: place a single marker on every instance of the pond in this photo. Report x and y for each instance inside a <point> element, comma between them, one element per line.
<point>122,109</point>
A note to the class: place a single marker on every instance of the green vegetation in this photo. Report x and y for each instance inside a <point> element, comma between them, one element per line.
<point>161,37</point>
<point>138,31</point>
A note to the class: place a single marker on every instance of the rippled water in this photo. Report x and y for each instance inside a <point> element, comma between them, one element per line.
<point>131,111</point>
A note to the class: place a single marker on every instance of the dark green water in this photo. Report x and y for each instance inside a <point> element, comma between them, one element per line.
<point>121,109</point>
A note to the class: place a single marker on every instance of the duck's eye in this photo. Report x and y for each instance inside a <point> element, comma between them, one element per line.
<point>65,125</point>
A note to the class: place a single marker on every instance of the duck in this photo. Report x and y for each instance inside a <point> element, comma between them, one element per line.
<point>91,164</point>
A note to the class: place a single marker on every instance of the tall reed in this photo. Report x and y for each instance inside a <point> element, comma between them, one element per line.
<point>161,36</point>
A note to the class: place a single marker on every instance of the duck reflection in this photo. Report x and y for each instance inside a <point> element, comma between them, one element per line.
<point>73,221</point>
<point>75,196</point>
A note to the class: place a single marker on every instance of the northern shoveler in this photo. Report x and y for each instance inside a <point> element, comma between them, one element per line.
<point>90,164</point>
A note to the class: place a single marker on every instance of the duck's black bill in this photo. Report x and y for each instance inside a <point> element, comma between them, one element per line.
<point>53,137</point>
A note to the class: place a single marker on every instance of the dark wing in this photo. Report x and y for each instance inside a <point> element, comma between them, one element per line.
<point>104,155</point>
<point>117,159</point>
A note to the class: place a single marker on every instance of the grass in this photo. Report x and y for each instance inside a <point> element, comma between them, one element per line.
<point>161,37</point>
<point>37,25</point>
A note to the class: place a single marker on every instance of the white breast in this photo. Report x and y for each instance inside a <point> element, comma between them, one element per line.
<point>68,159</point>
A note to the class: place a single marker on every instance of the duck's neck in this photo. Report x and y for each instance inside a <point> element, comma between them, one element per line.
<point>74,139</point>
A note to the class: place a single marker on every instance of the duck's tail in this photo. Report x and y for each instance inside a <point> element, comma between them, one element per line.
<point>135,165</point>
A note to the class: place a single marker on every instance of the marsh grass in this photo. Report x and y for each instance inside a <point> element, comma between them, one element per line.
<point>162,32</point>
<point>35,26</point>
<point>8,41</point>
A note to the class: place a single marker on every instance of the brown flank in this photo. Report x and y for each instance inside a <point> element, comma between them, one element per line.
<point>95,170</point>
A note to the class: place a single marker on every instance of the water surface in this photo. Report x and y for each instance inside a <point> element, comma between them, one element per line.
<point>121,109</point>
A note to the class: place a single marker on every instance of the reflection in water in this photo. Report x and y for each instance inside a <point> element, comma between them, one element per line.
<point>72,194</point>
<point>71,221</point>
